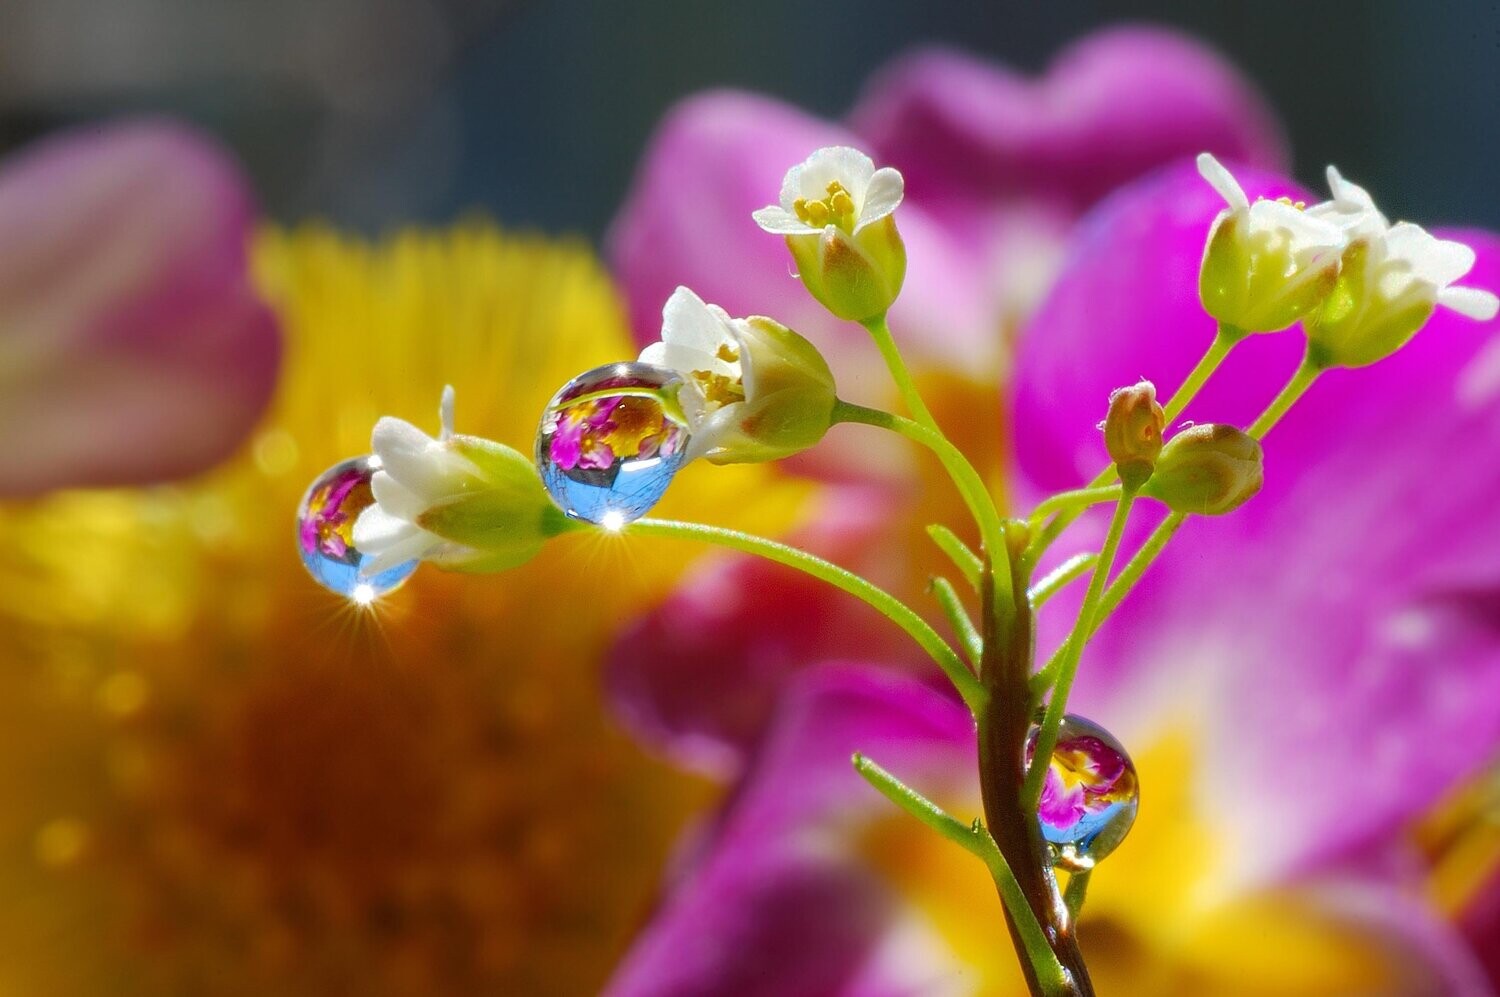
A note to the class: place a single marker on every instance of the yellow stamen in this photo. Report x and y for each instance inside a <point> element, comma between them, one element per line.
<point>719,389</point>
<point>727,353</point>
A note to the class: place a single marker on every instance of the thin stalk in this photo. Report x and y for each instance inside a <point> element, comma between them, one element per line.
<point>1058,578</point>
<point>963,626</point>
<point>880,331</point>
<point>964,559</point>
<point>974,839</point>
<point>1306,374</point>
<point>967,480</point>
<point>1073,896</point>
<point>1068,670</point>
<point>877,598</point>
<point>1075,501</point>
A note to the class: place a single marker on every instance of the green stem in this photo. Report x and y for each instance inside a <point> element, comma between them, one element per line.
<point>967,480</point>
<point>1047,737</point>
<point>963,626</point>
<point>964,559</point>
<point>1136,567</point>
<point>1075,501</point>
<point>1224,340</point>
<point>1073,896</point>
<point>976,841</point>
<point>1056,579</point>
<point>880,331</point>
<point>882,601</point>
<point>1306,374</point>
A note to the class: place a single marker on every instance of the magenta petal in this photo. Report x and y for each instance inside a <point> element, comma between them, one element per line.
<point>136,349</point>
<point>699,676</point>
<point>1335,641</point>
<point>779,903</point>
<point>1110,108</point>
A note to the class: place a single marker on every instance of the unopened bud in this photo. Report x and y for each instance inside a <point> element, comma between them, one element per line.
<point>1132,432</point>
<point>1207,470</point>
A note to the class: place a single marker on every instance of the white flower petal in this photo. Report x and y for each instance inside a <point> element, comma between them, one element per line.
<point>1437,261</point>
<point>688,323</point>
<point>1473,302</point>
<point>376,530</point>
<point>417,460</point>
<point>1222,181</point>
<point>781,221</point>
<point>843,163</point>
<point>791,189</point>
<point>395,498</point>
<point>1304,232</point>
<point>411,547</point>
<point>883,196</point>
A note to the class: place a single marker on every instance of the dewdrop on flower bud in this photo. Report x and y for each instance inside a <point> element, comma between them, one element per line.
<point>608,446</point>
<point>1266,264</point>
<point>325,533</point>
<point>1132,432</point>
<point>836,214</point>
<point>1090,796</point>
<point>1207,470</point>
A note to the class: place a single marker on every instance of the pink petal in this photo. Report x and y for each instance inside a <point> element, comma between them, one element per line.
<point>777,901</point>
<point>1111,107</point>
<point>134,346</point>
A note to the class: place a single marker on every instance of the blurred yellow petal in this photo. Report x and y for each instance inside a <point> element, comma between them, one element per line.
<point>217,778</point>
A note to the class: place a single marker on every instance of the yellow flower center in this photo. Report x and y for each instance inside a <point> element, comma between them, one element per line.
<point>837,208</point>
<point>719,389</point>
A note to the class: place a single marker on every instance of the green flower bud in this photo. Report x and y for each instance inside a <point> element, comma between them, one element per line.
<point>1132,432</point>
<point>1207,470</point>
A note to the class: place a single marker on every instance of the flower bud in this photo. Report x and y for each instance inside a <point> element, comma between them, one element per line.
<point>1207,470</point>
<point>1266,264</point>
<point>753,390</point>
<point>1132,432</point>
<point>855,278</point>
<point>836,213</point>
<point>464,503</point>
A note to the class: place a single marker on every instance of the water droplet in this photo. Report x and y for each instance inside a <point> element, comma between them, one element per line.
<point>325,532</point>
<point>1091,794</point>
<point>607,457</point>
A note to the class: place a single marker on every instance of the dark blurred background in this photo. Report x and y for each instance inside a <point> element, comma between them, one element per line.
<point>377,112</point>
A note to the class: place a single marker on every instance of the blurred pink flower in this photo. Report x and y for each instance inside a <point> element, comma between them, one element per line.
<point>132,345</point>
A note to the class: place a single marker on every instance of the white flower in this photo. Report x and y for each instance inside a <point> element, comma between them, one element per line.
<point>1393,277</point>
<point>417,472</point>
<point>1266,263</point>
<point>837,214</point>
<point>836,186</point>
<point>753,390</point>
<point>461,502</point>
